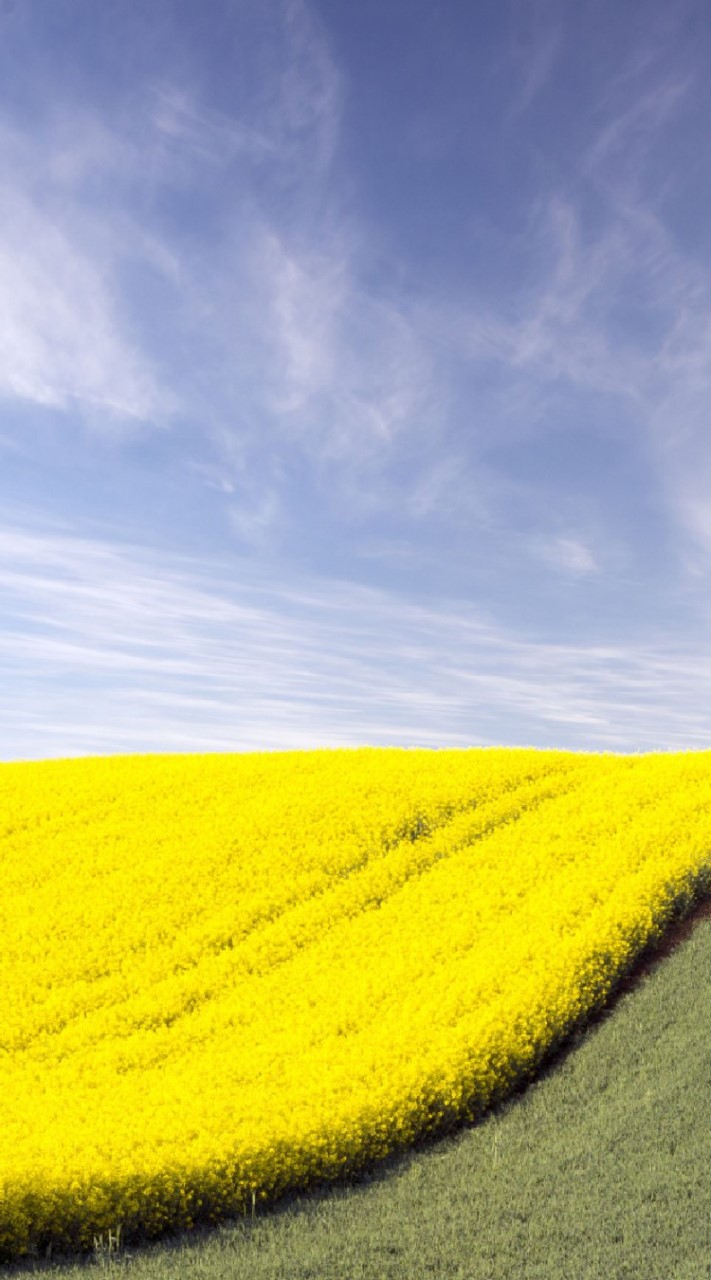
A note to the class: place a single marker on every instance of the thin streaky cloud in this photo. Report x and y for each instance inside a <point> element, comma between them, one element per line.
<point>560,331</point>
<point>634,129</point>
<point>62,344</point>
<point>399,326</point>
<point>252,667</point>
<point>213,135</point>
<point>535,60</point>
<point>568,554</point>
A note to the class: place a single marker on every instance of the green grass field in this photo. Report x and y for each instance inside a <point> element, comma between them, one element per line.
<point>600,1170</point>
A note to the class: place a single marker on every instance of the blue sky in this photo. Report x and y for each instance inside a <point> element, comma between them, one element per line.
<point>355,374</point>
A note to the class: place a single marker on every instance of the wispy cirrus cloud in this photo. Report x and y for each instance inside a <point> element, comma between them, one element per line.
<point>349,373</point>
<point>569,555</point>
<point>537,41</point>
<point>286,115</point>
<point>62,341</point>
<point>622,147</point>
<point>273,337</point>
<point>266,335</point>
<point>214,136</point>
<point>614,305</point>
<point>138,651</point>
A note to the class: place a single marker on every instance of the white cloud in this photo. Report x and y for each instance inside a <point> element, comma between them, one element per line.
<point>268,337</point>
<point>70,221</point>
<point>614,304</point>
<point>311,357</point>
<point>310,91</point>
<point>307,294</point>
<point>631,133</point>
<point>345,373</point>
<point>538,38</point>
<point>120,648</point>
<point>62,341</point>
<point>287,97</point>
<point>569,555</point>
<point>559,330</point>
<point>254,516</point>
<point>292,344</point>
<point>212,135</point>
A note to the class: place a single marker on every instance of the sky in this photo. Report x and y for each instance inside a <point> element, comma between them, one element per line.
<point>355,375</point>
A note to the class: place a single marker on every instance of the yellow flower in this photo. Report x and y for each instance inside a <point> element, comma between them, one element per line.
<point>227,975</point>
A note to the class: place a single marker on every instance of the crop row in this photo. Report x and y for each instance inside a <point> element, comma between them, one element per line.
<point>225,977</point>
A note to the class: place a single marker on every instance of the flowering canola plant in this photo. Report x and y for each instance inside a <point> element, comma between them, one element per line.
<point>224,977</point>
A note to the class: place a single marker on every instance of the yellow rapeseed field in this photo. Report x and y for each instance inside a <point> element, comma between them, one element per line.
<point>225,976</point>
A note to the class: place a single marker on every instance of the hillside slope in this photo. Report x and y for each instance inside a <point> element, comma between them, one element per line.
<point>229,978</point>
<point>599,1170</point>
